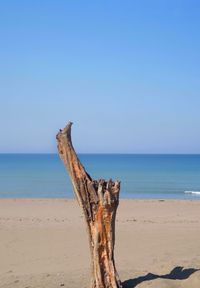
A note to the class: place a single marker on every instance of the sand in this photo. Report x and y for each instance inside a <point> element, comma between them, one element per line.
<point>43,243</point>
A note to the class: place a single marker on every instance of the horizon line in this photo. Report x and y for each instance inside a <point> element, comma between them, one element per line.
<point>94,153</point>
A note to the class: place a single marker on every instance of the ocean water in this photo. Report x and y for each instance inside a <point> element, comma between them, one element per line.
<point>141,176</point>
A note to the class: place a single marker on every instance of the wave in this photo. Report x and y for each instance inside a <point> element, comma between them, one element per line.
<point>192,192</point>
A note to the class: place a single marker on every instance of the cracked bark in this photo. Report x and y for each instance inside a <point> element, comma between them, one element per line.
<point>99,200</point>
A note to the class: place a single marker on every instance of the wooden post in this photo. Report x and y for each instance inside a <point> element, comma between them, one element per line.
<point>99,201</point>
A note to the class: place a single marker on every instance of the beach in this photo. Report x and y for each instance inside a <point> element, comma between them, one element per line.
<point>44,244</point>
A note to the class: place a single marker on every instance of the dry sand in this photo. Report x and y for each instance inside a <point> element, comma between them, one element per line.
<point>43,243</point>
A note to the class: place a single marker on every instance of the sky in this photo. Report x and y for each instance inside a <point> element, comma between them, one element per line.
<point>126,73</point>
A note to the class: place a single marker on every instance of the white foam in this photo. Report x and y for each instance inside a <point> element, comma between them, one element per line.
<point>192,192</point>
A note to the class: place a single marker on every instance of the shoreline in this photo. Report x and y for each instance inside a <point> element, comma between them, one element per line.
<point>44,243</point>
<point>195,198</point>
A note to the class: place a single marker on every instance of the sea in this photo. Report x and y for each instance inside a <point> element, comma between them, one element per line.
<point>142,176</point>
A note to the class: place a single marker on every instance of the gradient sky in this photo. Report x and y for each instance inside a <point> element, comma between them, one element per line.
<point>127,73</point>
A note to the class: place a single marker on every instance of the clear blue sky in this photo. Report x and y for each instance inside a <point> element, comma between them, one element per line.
<point>127,73</point>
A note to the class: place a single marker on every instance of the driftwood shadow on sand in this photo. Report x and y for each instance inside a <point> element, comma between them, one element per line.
<point>178,273</point>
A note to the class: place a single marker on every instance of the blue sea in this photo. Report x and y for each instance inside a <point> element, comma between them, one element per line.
<point>141,176</point>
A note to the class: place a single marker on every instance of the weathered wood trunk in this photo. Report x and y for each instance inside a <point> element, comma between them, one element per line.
<point>99,201</point>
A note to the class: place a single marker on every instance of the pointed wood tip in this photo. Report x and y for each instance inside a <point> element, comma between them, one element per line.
<point>66,130</point>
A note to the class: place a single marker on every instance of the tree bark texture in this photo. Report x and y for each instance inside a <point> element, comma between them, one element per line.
<point>99,201</point>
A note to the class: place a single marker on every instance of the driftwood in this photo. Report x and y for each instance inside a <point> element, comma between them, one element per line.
<point>99,200</point>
